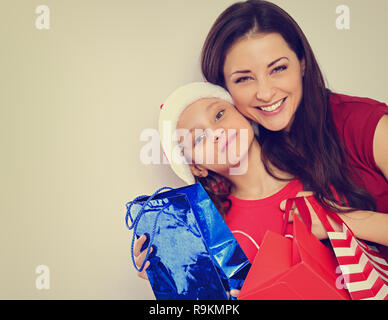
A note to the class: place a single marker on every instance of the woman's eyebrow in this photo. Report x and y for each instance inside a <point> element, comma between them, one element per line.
<point>240,71</point>
<point>273,62</point>
<point>269,66</point>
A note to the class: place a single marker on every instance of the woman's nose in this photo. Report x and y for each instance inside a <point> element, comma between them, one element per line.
<point>265,91</point>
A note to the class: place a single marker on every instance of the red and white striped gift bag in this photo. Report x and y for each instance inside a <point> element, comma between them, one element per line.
<point>364,268</point>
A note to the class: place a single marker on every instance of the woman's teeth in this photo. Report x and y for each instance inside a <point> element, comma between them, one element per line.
<point>273,107</point>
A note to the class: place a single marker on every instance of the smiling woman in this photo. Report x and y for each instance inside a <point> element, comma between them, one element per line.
<point>261,56</point>
<point>265,90</point>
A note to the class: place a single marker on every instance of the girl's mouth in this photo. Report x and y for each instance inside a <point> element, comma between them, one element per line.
<point>273,107</point>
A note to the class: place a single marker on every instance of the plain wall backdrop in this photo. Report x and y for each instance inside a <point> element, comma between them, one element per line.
<point>74,100</point>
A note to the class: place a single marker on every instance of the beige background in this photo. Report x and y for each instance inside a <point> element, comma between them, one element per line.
<point>74,100</point>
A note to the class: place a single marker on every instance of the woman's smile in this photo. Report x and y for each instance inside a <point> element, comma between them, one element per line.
<point>273,108</point>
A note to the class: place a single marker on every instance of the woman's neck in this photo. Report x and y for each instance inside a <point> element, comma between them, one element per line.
<point>256,182</point>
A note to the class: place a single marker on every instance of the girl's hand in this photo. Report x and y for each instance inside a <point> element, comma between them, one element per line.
<point>140,256</point>
<point>234,293</point>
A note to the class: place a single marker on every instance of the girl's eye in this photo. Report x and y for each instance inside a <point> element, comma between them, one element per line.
<point>220,114</point>
<point>279,69</point>
<point>199,139</point>
<point>242,79</point>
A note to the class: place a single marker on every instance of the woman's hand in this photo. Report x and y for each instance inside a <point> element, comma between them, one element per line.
<point>316,225</point>
<point>367,225</point>
<point>140,256</point>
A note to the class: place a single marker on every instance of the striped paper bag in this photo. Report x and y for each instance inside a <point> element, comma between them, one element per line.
<point>363,266</point>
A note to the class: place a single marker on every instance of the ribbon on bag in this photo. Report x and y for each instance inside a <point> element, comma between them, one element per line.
<point>195,255</point>
<point>363,266</point>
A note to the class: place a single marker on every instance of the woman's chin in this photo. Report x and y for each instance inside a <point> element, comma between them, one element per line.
<point>275,124</point>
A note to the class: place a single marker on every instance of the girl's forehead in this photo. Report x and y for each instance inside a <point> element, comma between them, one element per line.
<point>199,108</point>
<point>205,103</point>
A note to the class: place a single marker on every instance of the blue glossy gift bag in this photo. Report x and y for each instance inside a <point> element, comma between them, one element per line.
<point>195,255</point>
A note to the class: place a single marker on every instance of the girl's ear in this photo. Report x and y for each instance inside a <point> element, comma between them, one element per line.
<point>198,170</point>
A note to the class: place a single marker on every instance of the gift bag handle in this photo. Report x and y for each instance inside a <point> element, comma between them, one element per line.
<point>289,203</point>
<point>138,217</point>
<point>136,222</point>
<point>129,205</point>
<point>304,212</point>
<point>322,214</point>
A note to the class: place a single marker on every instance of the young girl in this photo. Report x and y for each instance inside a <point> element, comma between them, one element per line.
<point>199,122</point>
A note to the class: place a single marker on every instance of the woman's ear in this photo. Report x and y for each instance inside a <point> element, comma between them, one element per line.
<point>198,170</point>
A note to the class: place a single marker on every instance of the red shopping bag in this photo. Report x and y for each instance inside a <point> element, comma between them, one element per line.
<point>298,268</point>
<point>364,266</point>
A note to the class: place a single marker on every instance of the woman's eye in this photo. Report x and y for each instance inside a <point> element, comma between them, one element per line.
<point>242,79</point>
<point>279,69</point>
<point>220,114</point>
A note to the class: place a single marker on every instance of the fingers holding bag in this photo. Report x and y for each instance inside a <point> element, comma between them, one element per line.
<point>139,253</point>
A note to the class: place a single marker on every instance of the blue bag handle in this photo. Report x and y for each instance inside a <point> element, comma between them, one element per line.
<point>138,217</point>
<point>136,222</point>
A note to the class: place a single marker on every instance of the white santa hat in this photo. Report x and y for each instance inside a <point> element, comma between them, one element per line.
<point>170,112</point>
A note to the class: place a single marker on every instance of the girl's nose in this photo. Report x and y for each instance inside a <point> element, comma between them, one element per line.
<point>219,134</point>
